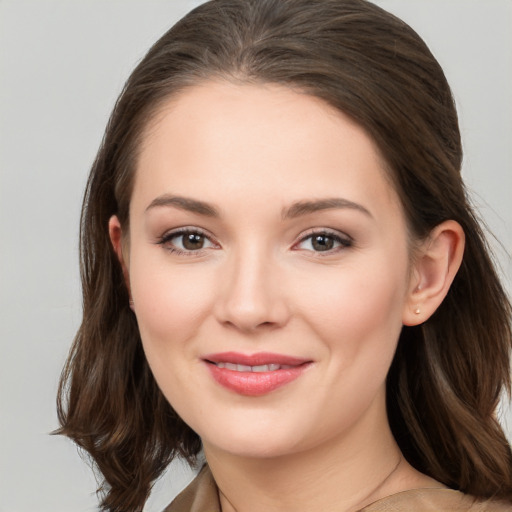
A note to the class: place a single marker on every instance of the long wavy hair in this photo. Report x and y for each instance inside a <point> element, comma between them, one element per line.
<point>448,374</point>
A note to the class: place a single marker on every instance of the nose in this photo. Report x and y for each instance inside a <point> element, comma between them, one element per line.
<point>252,295</point>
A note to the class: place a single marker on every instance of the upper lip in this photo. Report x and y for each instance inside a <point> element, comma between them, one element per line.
<point>260,358</point>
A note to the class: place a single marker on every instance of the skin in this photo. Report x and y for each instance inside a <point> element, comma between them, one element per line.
<point>258,284</point>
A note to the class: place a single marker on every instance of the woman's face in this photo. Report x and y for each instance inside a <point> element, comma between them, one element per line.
<point>269,266</point>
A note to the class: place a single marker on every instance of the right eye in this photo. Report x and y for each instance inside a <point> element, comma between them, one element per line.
<point>186,241</point>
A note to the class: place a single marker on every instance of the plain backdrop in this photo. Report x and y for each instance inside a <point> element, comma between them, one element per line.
<point>62,64</point>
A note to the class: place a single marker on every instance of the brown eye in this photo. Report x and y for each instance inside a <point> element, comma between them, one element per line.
<point>186,241</point>
<point>322,242</point>
<point>193,241</point>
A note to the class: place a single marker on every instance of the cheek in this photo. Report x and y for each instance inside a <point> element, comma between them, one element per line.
<point>170,303</point>
<point>359,312</point>
<point>359,321</point>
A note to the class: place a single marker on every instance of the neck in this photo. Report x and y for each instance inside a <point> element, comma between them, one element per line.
<point>342,474</point>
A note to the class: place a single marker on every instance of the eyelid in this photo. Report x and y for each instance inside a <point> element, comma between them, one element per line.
<point>172,233</point>
<point>185,229</point>
<point>344,239</point>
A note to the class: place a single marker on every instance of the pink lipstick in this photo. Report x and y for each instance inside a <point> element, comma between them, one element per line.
<point>256,374</point>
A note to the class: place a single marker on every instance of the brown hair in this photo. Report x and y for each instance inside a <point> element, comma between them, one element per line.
<point>447,375</point>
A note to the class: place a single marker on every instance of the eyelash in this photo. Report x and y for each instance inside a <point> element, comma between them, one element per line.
<point>165,241</point>
<point>343,241</point>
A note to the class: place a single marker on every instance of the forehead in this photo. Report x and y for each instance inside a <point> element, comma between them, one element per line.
<point>263,139</point>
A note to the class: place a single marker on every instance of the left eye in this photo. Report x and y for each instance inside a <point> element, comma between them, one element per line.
<point>323,242</point>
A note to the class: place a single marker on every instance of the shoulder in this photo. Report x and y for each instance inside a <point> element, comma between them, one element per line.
<point>200,496</point>
<point>430,500</point>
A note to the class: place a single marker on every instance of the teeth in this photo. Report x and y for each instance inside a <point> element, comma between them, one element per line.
<point>265,368</point>
<point>258,369</point>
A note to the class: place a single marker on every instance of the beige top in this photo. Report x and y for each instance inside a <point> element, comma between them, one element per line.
<point>202,496</point>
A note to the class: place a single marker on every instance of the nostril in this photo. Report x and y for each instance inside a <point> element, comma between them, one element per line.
<point>250,327</point>
<point>247,302</point>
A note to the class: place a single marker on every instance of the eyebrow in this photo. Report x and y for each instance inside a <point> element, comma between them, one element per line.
<point>297,209</point>
<point>185,203</point>
<point>306,207</point>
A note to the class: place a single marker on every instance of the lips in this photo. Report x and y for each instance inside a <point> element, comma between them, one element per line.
<point>256,374</point>
<point>257,368</point>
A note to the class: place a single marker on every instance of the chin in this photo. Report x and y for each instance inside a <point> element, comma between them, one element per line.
<point>251,443</point>
<point>261,450</point>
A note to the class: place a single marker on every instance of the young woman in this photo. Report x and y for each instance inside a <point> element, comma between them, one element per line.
<point>281,268</point>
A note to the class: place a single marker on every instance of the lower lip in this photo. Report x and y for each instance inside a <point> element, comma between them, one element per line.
<point>255,383</point>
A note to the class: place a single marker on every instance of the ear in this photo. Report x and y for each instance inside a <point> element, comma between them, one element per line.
<point>434,268</point>
<point>115,232</point>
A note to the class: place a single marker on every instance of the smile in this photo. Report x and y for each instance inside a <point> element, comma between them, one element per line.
<point>259,368</point>
<point>257,374</point>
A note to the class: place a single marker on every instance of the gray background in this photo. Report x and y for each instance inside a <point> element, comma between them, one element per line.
<point>62,64</point>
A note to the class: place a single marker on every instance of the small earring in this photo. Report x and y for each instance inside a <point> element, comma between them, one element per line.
<point>417,310</point>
